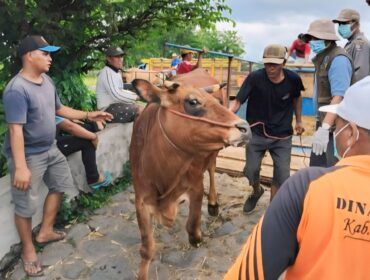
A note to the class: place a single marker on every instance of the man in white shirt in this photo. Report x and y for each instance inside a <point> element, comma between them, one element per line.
<point>112,94</point>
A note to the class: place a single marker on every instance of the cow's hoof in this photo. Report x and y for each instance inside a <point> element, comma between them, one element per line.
<point>213,210</point>
<point>195,242</point>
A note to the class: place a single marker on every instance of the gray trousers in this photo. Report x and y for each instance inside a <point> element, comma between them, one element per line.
<point>280,151</point>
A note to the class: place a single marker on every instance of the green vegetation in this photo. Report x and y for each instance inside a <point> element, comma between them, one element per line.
<point>139,27</point>
<point>78,209</point>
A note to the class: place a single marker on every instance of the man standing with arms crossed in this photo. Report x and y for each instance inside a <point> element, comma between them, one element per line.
<point>273,94</point>
<point>31,104</point>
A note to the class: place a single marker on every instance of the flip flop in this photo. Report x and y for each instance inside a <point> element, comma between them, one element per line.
<point>61,234</point>
<point>106,181</point>
<point>33,264</point>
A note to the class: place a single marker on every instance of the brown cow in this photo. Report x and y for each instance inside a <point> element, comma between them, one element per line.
<point>156,77</point>
<point>201,78</point>
<point>172,141</point>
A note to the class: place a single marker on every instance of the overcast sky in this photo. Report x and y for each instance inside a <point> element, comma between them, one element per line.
<point>263,22</point>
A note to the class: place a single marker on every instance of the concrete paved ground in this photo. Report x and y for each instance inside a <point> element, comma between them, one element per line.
<point>107,246</point>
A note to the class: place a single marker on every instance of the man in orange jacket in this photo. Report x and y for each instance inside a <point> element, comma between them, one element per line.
<point>318,224</point>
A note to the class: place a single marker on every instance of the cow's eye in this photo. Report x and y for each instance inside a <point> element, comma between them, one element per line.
<point>193,102</point>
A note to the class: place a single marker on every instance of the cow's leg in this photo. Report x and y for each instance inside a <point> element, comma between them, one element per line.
<point>193,225</point>
<point>147,249</point>
<point>212,194</point>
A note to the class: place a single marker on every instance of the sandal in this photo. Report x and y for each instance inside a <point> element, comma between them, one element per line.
<point>61,236</point>
<point>106,181</point>
<point>31,265</point>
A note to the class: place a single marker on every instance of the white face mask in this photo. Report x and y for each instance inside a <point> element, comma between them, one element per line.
<point>336,153</point>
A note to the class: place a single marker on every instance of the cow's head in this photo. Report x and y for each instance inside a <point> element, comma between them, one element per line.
<point>195,116</point>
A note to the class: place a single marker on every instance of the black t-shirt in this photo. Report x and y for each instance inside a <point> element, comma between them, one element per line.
<point>270,103</point>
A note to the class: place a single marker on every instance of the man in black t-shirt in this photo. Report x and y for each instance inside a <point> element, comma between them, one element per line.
<point>273,94</point>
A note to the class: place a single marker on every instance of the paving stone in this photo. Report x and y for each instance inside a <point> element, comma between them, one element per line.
<point>56,252</point>
<point>120,197</point>
<point>225,229</point>
<point>78,232</point>
<point>123,209</point>
<point>73,268</point>
<point>112,268</point>
<point>241,237</point>
<point>104,224</point>
<point>185,259</point>
<point>165,237</point>
<point>159,270</point>
<point>220,265</point>
<point>126,235</point>
<point>103,211</point>
<point>94,250</point>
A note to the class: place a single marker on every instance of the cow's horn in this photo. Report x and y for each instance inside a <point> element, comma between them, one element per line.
<point>212,88</point>
<point>171,86</point>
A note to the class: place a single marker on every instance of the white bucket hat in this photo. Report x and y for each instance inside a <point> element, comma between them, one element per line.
<point>323,29</point>
<point>355,106</point>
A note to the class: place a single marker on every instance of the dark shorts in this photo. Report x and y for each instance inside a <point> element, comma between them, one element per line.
<point>52,168</point>
<point>122,112</point>
<point>280,151</point>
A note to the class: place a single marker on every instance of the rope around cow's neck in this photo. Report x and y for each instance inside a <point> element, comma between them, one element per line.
<point>165,134</point>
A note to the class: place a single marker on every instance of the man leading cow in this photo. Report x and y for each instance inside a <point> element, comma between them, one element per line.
<point>273,93</point>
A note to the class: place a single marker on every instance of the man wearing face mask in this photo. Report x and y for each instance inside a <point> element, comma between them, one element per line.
<point>317,226</point>
<point>334,73</point>
<point>358,47</point>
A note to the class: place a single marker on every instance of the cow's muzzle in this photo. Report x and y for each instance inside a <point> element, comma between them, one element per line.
<point>245,132</point>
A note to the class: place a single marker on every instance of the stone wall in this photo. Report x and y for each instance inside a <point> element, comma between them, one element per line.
<point>112,153</point>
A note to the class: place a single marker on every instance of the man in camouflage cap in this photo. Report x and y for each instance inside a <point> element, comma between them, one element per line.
<point>358,46</point>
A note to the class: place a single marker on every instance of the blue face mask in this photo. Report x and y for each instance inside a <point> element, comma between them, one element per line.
<point>344,30</point>
<point>317,45</point>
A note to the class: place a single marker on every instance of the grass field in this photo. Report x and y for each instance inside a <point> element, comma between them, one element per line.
<point>90,80</point>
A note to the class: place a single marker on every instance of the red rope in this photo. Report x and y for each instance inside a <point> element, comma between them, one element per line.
<point>266,134</point>
<point>200,119</point>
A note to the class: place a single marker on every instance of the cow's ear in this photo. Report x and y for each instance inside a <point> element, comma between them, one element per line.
<point>171,86</point>
<point>147,91</point>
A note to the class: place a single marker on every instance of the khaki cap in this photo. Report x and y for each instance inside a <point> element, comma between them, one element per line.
<point>274,54</point>
<point>323,29</point>
<point>347,15</point>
